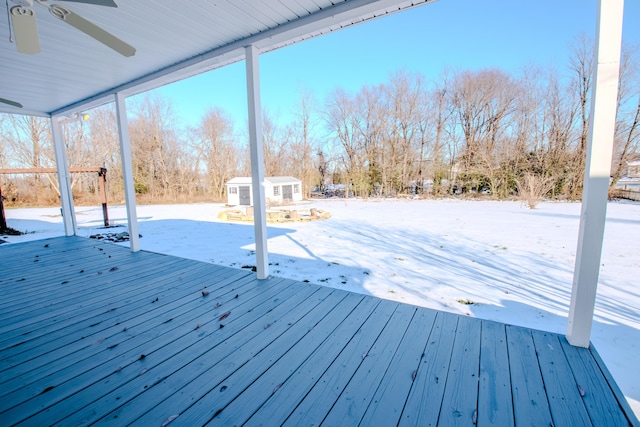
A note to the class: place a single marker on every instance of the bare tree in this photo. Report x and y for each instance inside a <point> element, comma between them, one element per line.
<point>581,65</point>
<point>372,133</point>
<point>104,148</point>
<point>322,170</point>
<point>440,114</point>
<point>627,136</point>
<point>483,102</point>
<point>216,151</point>
<point>303,143</point>
<point>156,154</point>
<point>557,130</point>
<point>276,140</point>
<point>406,96</point>
<point>523,147</point>
<point>342,120</point>
<point>630,146</point>
<point>30,145</point>
<point>533,188</point>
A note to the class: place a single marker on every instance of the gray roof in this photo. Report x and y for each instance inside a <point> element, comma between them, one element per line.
<point>282,179</point>
<point>272,179</point>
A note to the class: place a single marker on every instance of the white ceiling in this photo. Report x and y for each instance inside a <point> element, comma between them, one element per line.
<point>173,40</point>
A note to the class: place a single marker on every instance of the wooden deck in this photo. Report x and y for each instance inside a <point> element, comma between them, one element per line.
<point>91,333</point>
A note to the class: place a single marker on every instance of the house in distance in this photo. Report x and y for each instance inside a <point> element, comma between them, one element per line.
<point>278,190</point>
<point>631,182</point>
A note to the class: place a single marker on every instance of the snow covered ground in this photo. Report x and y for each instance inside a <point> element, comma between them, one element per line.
<point>492,260</point>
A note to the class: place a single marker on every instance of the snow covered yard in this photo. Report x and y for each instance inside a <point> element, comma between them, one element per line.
<point>493,260</point>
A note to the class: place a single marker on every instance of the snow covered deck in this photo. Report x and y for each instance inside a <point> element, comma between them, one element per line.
<point>90,332</point>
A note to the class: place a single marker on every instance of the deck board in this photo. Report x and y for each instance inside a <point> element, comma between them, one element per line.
<point>565,402</point>
<point>355,398</point>
<point>87,302</point>
<point>459,403</point>
<point>527,386</point>
<point>251,393</point>
<point>160,338</point>
<point>269,346</point>
<point>597,400</point>
<point>283,401</point>
<point>140,332</point>
<point>494,395</point>
<point>165,357</point>
<point>386,406</point>
<point>313,408</point>
<point>96,318</point>
<point>423,404</point>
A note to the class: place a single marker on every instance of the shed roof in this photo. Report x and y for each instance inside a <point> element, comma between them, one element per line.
<point>282,179</point>
<point>239,180</point>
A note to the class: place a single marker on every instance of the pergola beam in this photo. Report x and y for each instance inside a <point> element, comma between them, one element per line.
<point>597,172</point>
<point>17,171</point>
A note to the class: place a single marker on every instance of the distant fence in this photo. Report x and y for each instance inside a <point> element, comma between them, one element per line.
<point>626,194</point>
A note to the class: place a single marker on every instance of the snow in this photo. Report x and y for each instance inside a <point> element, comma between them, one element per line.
<point>513,264</point>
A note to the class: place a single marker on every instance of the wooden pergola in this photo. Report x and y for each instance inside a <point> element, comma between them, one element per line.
<point>102,182</point>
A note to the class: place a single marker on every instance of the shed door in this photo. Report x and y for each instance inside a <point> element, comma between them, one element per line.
<point>287,192</point>
<point>244,192</point>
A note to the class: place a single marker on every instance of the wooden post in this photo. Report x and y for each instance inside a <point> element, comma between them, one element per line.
<point>257,162</point>
<point>102,185</point>
<point>597,172</point>
<point>127,172</point>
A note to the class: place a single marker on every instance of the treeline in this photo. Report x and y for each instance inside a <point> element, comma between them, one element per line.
<point>479,131</point>
<point>467,132</point>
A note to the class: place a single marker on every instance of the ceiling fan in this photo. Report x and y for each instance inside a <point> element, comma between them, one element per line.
<point>25,27</point>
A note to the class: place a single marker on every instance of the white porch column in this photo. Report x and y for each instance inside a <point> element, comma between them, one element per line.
<point>127,172</point>
<point>597,172</point>
<point>257,161</point>
<point>64,183</point>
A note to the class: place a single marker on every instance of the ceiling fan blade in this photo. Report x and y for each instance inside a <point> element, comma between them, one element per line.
<point>12,103</point>
<point>92,30</point>
<point>109,3</point>
<point>25,29</point>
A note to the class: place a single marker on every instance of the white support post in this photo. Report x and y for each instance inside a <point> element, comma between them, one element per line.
<point>597,172</point>
<point>257,161</point>
<point>64,182</point>
<point>127,172</point>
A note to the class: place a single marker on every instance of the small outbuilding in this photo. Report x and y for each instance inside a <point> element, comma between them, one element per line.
<point>633,169</point>
<point>278,189</point>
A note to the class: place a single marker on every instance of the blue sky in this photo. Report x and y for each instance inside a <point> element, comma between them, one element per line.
<point>457,34</point>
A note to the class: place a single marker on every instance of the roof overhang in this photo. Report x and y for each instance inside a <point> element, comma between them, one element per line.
<point>173,41</point>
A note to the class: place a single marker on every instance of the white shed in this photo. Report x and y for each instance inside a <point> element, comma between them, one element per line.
<point>633,169</point>
<point>278,189</point>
